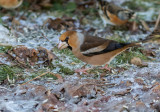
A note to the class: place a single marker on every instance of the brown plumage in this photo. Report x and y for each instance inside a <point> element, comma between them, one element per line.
<point>90,49</point>
<point>10,4</point>
<point>95,50</point>
<point>112,14</point>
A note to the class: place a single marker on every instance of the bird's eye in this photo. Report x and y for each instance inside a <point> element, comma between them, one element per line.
<point>66,38</point>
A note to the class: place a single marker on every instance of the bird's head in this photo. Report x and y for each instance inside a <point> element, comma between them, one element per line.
<point>10,4</point>
<point>70,39</point>
<point>125,14</point>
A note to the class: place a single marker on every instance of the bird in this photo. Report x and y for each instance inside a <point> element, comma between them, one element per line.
<point>113,14</point>
<point>94,50</point>
<point>10,4</point>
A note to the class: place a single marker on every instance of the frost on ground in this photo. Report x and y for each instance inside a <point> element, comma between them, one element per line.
<point>137,89</point>
<point>126,88</point>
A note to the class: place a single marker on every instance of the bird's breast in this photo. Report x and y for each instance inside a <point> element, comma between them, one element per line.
<point>93,60</point>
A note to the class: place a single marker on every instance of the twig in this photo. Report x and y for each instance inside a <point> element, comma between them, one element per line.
<point>145,25</point>
<point>6,45</point>
<point>34,78</point>
<point>44,36</point>
<point>157,22</point>
<point>108,84</point>
<point>4,88</point>
<point>38,77</point>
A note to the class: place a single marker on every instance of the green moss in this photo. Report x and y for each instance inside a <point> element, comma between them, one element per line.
<point>126,56</point>
<point>5,49</point>
<point>142,5</point>
<point>66,70</point>
<point>90,11</point>
<point>1,22</point>
<point>117,38</point>
<point>10,72</point>
<point>66,9</point>
<point>48,75</point>
<point>63,51</point>
<point>135,5</point>
<point>67,52</point>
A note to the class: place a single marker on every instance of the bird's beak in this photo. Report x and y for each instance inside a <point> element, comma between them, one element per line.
<point>62,45</point>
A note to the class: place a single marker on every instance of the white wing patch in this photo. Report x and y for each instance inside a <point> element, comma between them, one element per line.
<point>80,38</point>
<point>93,50</point>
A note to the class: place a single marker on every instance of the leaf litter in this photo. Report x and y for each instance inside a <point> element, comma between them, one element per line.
<point>33,41</point>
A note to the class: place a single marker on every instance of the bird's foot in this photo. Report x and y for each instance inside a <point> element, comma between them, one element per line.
<point>106,68</point>
<point>82,70</point>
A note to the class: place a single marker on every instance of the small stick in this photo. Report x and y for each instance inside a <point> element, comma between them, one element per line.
<point>6,45</point>
<point>44,36</point>
<point>157,22</point>
<point>145,25</point>
<point>38,77</point>
<point>108,84</point>
<point>4,88</point>
<point>34,78</point>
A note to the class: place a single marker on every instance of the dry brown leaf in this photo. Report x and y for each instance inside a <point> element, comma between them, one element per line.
<point>46,3</point>
<point>45,55</point>
<point>26,57</point>
<point>136,61</point>
<point>148,52</point>
<point>123,92</point>
<point>79,90</point>
<point>60,24</point>
<point>139,81</point>
<point>23,55</point>
<point>38,91</point>
<point>39,4</point>
<point>139,103</point>
<point>16,22</point>
<point>60,78</point>
<point>156,89</point>
<point>51,103</point>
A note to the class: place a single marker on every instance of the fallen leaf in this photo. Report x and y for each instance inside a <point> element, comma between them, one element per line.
<point>60,24</point>
<point>139,81</point>
<point>59,77</point>
<point>156,89</point>
<point>45,55</point>
<point>148,52</point>
<point>123,92</point>
<point>79,90</point>
<point>136,61</point>
<point>29,57</point>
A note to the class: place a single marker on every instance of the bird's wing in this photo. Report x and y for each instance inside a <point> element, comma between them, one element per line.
<point>95,46</point>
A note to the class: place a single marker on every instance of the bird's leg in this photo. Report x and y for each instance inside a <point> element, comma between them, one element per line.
<point>84,66</point>
<point>106,67</point>
<point>83,70</point>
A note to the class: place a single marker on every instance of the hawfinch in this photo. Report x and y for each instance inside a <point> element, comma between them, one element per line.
<point>10,4</point>
<point>92,50</point>
<point>112,14</point>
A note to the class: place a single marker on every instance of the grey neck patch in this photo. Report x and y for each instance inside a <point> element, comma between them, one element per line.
<point>80,38</point>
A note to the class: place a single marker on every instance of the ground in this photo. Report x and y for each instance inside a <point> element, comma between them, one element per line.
<point>29,38</point>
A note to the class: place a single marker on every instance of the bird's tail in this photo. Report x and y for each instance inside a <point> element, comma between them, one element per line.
<point>150,39</point>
